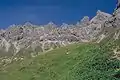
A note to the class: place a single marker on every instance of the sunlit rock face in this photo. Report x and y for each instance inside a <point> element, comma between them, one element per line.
<point>100,17</point>
<point>111,26</point>
<point>84,22</point>
<point>29,38</point>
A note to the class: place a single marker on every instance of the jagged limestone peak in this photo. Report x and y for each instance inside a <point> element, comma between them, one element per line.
<point>100,17</point>
<point>83,22</point>
<point>28,24</point>
<point>85,19</point>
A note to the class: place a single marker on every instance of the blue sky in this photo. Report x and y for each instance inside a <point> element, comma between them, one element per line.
<point>43,11</point>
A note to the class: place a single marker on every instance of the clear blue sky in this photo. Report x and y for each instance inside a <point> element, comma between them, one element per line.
<point>43,11</point>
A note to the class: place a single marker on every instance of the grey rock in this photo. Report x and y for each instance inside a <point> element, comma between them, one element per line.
<point>84,22</point>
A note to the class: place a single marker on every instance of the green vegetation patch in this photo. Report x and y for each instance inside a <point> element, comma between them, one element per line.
<point>73,62</point>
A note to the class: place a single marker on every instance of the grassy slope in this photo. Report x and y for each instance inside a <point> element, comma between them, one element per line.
<point>84,62</point>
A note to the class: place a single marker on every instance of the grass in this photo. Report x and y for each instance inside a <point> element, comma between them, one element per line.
<point>73,62</point>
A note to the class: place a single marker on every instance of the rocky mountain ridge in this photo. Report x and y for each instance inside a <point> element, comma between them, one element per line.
<point>29,38</point>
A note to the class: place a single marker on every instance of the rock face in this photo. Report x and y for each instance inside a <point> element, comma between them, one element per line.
<point>100,17</point>
<point>84,22</point>
<point>111,26</point>
<point>29,38</point>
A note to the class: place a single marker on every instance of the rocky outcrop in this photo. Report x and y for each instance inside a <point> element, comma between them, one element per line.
<point>100,17</point>
<point>84,22</point>
<point>111,26</point>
